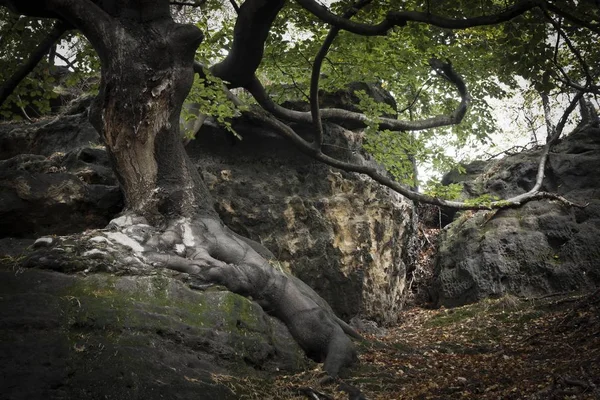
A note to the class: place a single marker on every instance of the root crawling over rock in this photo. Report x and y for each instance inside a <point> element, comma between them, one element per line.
<point>208,251</point>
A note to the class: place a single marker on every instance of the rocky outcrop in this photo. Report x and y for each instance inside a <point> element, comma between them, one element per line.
<point>131,337</point>
<point>542,247</point>
<point>347,237</point>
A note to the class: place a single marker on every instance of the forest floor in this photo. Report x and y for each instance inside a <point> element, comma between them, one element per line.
<point>509,348</point>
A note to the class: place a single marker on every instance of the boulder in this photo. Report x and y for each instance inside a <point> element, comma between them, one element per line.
<point>39,195</point>
<point>47,136</point>
<point>347,237</point>
<point>540,248</point>
<point>128,337</point>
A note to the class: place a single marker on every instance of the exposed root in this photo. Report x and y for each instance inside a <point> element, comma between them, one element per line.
<point>209,252</point>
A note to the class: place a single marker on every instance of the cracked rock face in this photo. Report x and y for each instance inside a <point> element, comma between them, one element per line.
<point>344,235</point>
<point>540,248</point>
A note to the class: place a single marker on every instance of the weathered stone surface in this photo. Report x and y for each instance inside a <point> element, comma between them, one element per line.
<point>38,196</point>
<point>540,248</point>
<point>54,178</point>
<point>131,337</point>
<point>47,136</point>
<point>344,235</point>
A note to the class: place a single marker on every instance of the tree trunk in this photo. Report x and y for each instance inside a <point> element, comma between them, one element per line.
<point>147,75</point>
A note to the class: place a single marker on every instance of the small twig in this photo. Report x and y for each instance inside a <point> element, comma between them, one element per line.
<point>186,4</point>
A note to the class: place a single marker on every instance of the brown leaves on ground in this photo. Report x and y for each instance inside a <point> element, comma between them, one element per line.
<point>509,348</point>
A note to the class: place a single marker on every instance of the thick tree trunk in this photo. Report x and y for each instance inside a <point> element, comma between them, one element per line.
<point>145,79</point>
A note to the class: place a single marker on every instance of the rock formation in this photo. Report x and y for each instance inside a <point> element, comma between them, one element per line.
<point>346,236</point>
<point>540,248</point>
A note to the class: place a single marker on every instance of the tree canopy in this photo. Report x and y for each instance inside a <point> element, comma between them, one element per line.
<point>288,51</point>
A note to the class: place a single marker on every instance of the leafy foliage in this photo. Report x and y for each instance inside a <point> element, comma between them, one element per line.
<point>494,61</point>
<point>18,35</point>
<point>211,100</point>
<point>448,192</point>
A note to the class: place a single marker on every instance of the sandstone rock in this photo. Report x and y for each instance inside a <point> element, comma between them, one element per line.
<point>39,197</point>
<point>540,248</point>
<point>54,178</point>
<point>344,235</point>
<point>347,237</point>
<point>47,136</point>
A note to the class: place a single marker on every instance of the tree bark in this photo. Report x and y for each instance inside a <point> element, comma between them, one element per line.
<point>144,83</point>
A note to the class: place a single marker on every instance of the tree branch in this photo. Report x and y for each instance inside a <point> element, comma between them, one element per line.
<point>316,72</point>
<point>336,114</point>
<point>546,150</point>
<point>186,4</point>
<point>68,62</point>
<point>308,149</point>
<point>255,18</point>
<point>35,57</point>
<point>401,18</point>
<point>84,15</point>
<point>574,19</point>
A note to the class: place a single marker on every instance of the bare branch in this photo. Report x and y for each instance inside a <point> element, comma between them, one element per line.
<point>544,156</point>
<point>35,57</point>
<point>68,62</point>
<point>401,18</point>
<point>235,6</point>
<point>404,190</point>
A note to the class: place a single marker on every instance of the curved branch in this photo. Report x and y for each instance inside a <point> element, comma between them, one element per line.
<point>546,151</point>
<point>255,18</point>
<point>401,18</point>
<point>371,172</point>
<point>335,114</point>
<point>574,19</point>
<point>35,57</point>
<point>84,15</point>
<point>263,116</point>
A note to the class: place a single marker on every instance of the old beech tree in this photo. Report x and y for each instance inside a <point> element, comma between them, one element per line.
<point>147,69</point>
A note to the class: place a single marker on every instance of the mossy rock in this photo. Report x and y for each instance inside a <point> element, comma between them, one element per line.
<point>149,337</point>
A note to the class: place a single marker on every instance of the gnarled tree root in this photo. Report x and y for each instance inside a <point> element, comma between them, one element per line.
<point>208,251</point>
